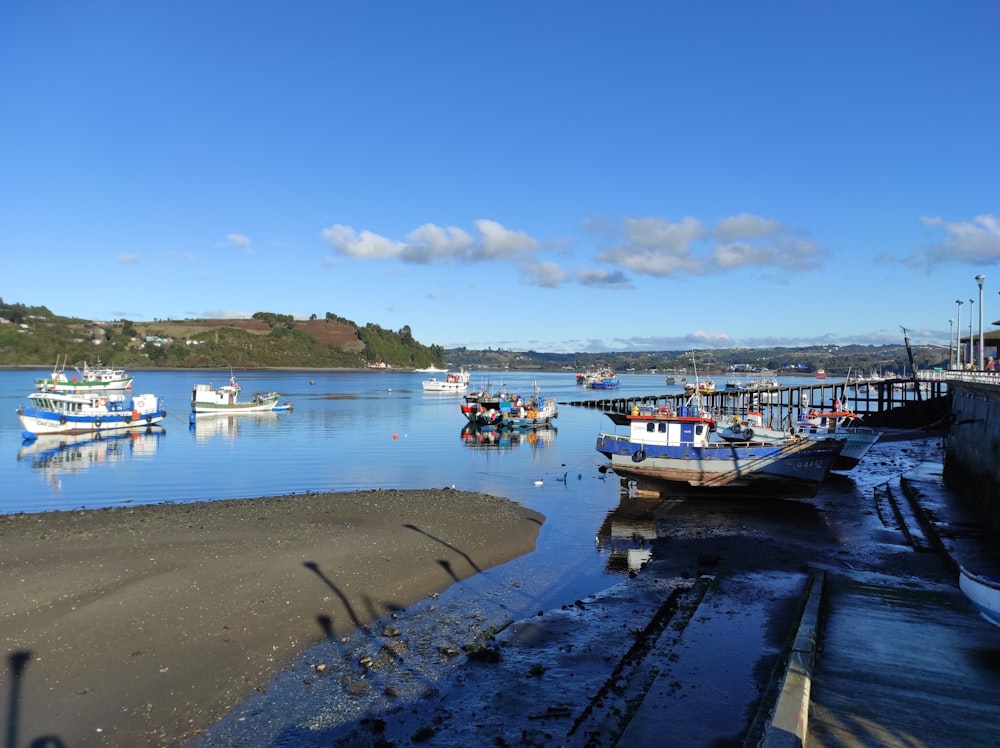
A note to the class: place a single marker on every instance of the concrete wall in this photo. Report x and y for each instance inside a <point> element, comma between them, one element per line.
<point>972,456</point>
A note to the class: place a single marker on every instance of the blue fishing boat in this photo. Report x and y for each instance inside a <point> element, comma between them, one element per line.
<point>669,451</point>
<point>65,413</point>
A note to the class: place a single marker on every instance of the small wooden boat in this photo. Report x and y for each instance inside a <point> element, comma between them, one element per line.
<point>60,413</point>
<point>983,591</point>
<point>89,379</point>
<point>209,400</point>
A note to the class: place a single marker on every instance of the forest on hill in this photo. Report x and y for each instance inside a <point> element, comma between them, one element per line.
<point>35,336</point>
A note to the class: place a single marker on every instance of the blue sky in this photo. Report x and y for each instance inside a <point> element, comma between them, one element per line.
<point>557,176</point>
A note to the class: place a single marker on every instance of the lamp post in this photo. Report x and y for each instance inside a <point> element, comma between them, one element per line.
<point>958,336</point>
<point>951,336</point>
<point>979,279</point>
<point>972,347</point>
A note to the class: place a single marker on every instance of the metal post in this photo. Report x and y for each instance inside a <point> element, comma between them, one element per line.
<point>979,279</point>
<point>951,334</point>
<point>958,336</point>
<point>972,348</point>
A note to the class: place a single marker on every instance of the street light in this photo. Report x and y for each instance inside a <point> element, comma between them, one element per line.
<point>958,336</point>
<point>951,335</point>
<point>979,279</point>
<point>972,348</point>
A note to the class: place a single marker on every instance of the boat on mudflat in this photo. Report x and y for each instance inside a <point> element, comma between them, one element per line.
<point>89,379</point>
<point>453,382</point>
<point>62,413</point>
<point>207,399</point>
<point>983,591</point>
<point>841,423</point>
<point>669,451</point>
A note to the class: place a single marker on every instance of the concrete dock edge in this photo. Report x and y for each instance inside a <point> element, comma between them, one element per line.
<point>789,723</point>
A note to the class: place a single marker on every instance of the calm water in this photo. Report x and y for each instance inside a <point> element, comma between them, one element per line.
<point>348,431</point>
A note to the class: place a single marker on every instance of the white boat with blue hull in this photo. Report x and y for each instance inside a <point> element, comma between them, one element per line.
<point>983,592</point>
<point>676,452</point>
<point>60,413</point>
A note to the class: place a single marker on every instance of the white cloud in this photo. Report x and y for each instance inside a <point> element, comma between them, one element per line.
<point>545,274</point>
<point>601,278</point>
<point>127,258</point>
<point>502,243</point>
<point>240,241</point>
<point>969,242</point>
<point>429,243</point>
<point>658,247</point>
<point>366,245</point>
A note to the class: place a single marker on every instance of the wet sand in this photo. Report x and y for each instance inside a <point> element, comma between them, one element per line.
<point>144,625</point>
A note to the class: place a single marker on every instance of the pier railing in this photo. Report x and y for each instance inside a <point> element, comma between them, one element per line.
<point>787,402</point>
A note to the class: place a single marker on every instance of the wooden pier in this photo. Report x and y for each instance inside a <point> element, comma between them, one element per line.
<point>784,403</point>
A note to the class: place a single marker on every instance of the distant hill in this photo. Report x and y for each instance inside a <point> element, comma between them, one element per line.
<point>34,336</point>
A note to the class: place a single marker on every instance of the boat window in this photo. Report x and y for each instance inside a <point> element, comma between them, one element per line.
<point>663,428</point>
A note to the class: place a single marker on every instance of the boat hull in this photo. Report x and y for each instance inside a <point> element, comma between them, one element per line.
<point>51,413</point>
<point>795,468</point>
<point>983,592</point>
<point>268,403</point>
<point>225,400</point>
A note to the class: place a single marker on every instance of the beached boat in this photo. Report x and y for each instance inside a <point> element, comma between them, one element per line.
<point>844,424</point>
<point>841,424</point>
<point>207,399</point>
<point>89,379</point>
<point>454,382</point>
<point>983,591</point>
<point>62,413</point>
<point>673,452</point>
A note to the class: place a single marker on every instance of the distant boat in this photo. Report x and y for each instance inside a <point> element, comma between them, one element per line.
<point>703,386</point>
<point>431,370</point>
<point>672,451</point>
<point>820,374</point>
<point>452,383</point>
<point>533,413</point>
<point>90,379</point>
<point>983,591</point>
<point>61,413</point>
<point>598,379</point>
<point>209,400</point>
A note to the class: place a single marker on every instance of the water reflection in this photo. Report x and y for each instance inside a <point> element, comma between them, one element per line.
<point>209,427</point>
<point>627,533</point>
<point>55,455</point>
<point>507,439</point>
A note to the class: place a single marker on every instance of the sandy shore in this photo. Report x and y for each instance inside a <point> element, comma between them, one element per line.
<point>143,625</point>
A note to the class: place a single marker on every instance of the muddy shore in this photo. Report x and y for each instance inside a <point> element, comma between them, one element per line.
<point>144,625</point>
